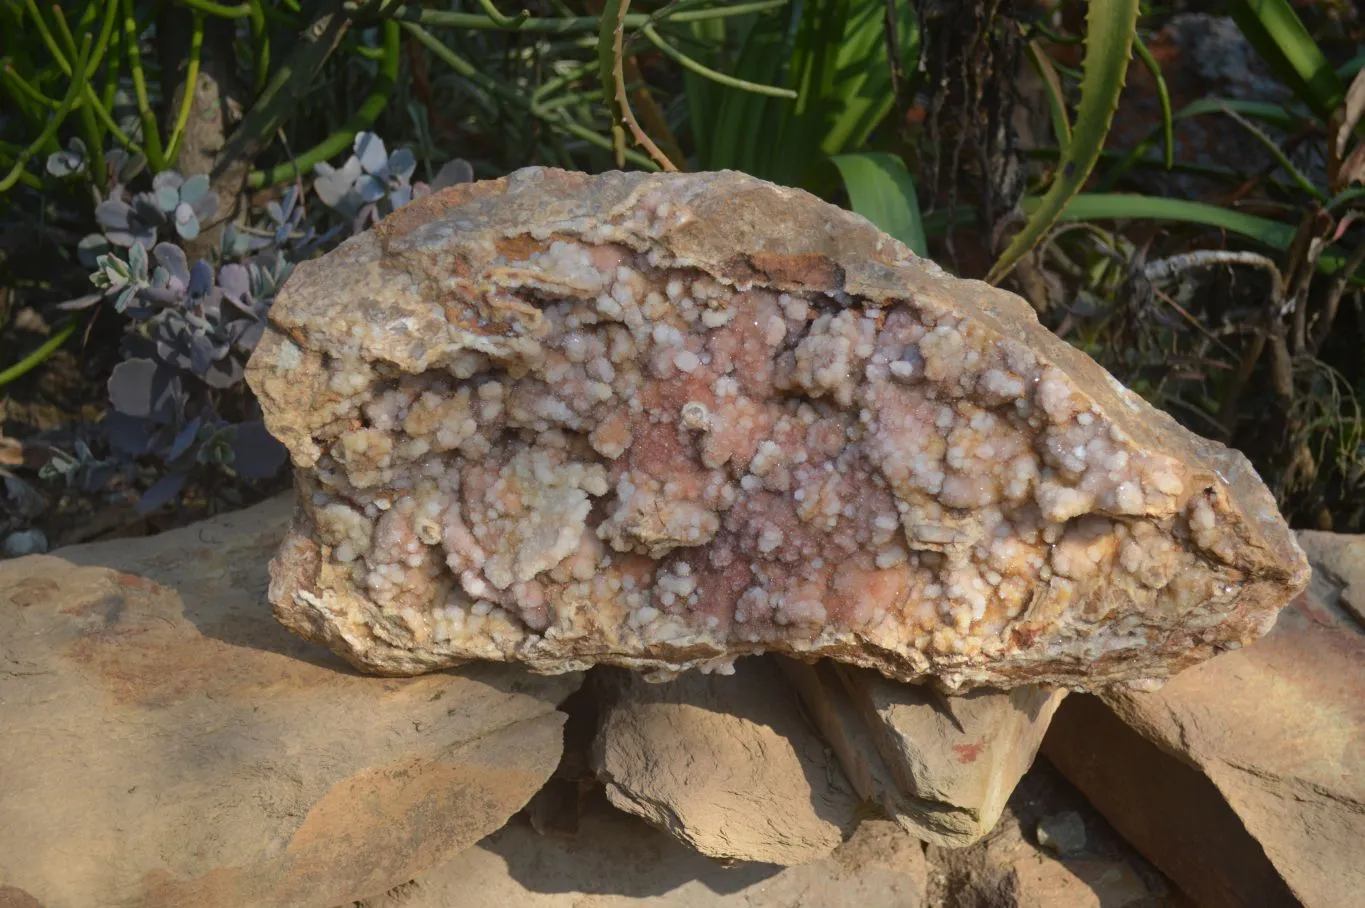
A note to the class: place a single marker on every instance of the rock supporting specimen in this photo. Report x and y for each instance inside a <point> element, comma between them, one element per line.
<point>940,766</point>
<point>1244,778</point>
<point>167,743</point>
<point>727,765</point>
<point>660,421</point>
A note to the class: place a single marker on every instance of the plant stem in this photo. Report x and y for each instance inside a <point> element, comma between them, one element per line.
<point>361,120</point>
<point>261,35</point>
<point>36,358</point>
<point>241,11</point>
<point>686,62</point>
<point>611,59</point>
<point>571,24</point>
<point>191,85</point>
<point>151,135</point>
<point>78,82</point>
<point>467,70</point>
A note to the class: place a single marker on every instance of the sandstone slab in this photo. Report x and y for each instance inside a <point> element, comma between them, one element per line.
<point>660,421</point>
<point>726,764</point>
<point>1244,778</point>
<point>617,861</point>
<point>941,766</point>
<point>167,743</point>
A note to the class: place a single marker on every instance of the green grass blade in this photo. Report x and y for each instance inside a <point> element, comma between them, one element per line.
<point>882,190</point>
<point>1163,95</point>
<point>1056,98</point>
<point>1111,26</point>
<point>702,93</point>
<point>863,93</point>
<point>1102,206</point>
<point>1280,38</point>
<point>1273,114</point>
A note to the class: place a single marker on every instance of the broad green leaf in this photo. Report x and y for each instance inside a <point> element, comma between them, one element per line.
<point>1280,38</point>
<point>1111,26</point>
<point>882,190</point>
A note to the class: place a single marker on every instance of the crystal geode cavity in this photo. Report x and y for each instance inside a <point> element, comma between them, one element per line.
<point>661,421</point>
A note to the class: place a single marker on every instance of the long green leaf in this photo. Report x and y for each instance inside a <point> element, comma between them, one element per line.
<point>1282,41</point>
<point>833,53</point>
<point>1111,26</point>
<point>1273,114</point>
<point>1101,206</point>
<point>882,190</point>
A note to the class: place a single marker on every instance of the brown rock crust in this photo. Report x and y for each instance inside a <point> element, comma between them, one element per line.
<point>661,421</point>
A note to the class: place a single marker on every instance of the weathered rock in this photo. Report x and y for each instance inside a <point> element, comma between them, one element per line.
<point>617,861</point>
<point>725,764</point>
<point>167,743</point>
<point>943,767</point>
<point>660,421</point>
<point>1008,870</point>
<point>1062,833</point>
<point>1244,778</point>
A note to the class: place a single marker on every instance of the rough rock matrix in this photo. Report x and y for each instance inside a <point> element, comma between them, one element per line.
<point>661,421</point>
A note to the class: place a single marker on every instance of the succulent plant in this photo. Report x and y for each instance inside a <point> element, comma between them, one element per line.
<point>71,160</point>
<point>122,279</point>
<point>370,176</point>
<point>186,203</point>
<point>172,202</point>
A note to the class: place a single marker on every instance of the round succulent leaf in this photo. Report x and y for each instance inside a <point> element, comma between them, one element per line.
<point>194,189</point>
<point>201,278</point>
<point>373,156</point>
<point>400,196</point>
<point>331,184</point>
<point>452,173</point>
<point>186,222</point>
<point>139,387</point>
<point>167,198</point>
<point>113,214</point>
<point>224,372</point>
<point>370,188</point>
<point>205,207</point>
<point>184,438</point>
<point>402,164</point>
<point>128,435</point>
<point>172,258</point>
<point>163,492</point>
<point>137,263</point>
<point>90,248</point>
<point>170,179</point>
<point>235,281</point>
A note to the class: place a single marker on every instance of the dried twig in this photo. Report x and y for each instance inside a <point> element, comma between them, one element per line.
<point>610,58</point>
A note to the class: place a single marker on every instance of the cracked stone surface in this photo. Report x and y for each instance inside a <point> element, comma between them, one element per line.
<point>661,421</point>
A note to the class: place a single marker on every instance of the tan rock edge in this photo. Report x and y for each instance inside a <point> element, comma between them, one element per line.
<point>616,861</point>
<point>660,421</point>
<point>943,767</point>
<point>1244,778</point>
<point>726,764</point>
<point>167,743</point>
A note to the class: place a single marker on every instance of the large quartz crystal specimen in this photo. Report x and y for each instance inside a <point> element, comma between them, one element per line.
<point>661,421</point>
